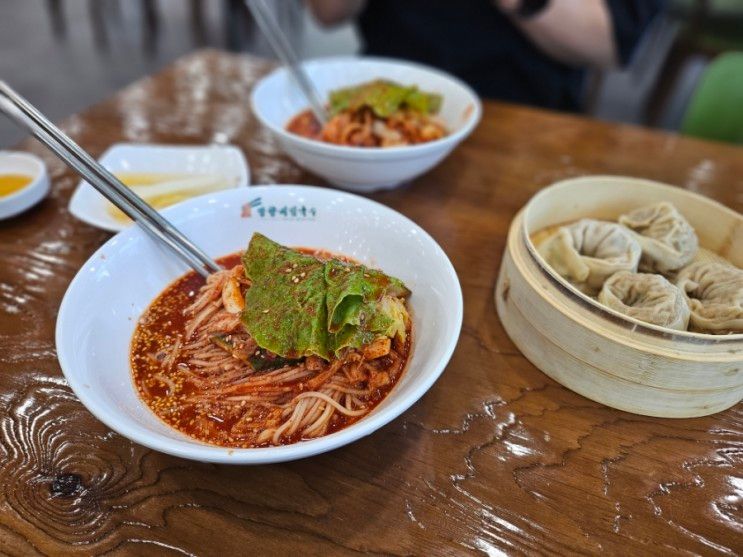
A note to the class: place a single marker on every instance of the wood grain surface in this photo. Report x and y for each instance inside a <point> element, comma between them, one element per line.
<point>496,458</point>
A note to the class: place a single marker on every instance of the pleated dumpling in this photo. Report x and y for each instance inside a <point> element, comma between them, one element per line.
<point>588,252</point>
<point>647,297</point>
<point>715,296</point>
<point>667,239</point>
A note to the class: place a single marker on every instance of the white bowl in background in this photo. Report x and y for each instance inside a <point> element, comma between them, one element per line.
<point>103,302</point>
<point>276,99</point>
<point>91,207</point>
<point>15,162</point>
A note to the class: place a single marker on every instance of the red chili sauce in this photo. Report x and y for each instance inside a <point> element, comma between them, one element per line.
<point>163,322</point>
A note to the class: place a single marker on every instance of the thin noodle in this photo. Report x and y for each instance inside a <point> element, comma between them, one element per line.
<point>332,402</point>
<point>167,381</point>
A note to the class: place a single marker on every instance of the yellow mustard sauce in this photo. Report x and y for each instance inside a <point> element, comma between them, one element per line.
<point>139,179</point>
<point>11,183</point>
<point>146,178</point>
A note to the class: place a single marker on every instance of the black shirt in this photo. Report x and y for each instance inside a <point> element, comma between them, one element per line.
<point>475,41</point>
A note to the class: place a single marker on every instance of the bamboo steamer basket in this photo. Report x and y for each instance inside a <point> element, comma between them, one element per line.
<point>602,354</point>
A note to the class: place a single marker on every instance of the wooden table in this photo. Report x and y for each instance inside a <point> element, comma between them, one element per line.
<point>496,457</point>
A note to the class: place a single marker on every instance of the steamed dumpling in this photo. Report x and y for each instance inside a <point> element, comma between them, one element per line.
<point>589,251</point>
<point>647,297</point>
<point>667,239</point>
<point>715,295</point>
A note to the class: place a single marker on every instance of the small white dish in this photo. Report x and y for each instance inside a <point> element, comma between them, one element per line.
<point>276,99</point>
<point>14,162</point>
<point>91,207</point>
<point>107,296</point>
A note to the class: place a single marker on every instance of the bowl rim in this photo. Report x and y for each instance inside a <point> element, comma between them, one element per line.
<point>593,305</point>
<point>212,453</point>
<point>395,152</point>
<point>40,174</point>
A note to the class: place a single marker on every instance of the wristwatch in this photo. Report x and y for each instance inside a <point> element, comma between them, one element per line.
<point>529,8</point>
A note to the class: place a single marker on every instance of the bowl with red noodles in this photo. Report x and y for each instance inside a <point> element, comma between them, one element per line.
<point>368,146</point>
<point>133,305</point>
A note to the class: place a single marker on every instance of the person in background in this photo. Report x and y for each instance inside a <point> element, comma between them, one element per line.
<point>526,51</point>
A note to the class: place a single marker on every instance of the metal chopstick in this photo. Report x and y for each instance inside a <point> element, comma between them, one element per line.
<point>29,118</point>
<point>283,49</point>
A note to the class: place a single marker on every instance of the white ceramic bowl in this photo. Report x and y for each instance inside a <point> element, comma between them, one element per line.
<point>29,165</point>
<point>276,99</point>
<point>109,293</point>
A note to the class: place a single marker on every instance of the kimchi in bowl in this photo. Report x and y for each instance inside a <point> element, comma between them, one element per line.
<point>110,293</point>
<point>276,99</point>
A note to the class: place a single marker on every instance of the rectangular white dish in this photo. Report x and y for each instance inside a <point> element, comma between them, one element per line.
<point>91,207</point>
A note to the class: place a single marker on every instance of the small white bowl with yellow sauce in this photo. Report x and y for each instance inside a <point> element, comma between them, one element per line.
<point>162,175</point>
<point>23,182</point>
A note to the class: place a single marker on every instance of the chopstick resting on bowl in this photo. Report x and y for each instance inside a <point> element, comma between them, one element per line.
<point>28,117</point>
